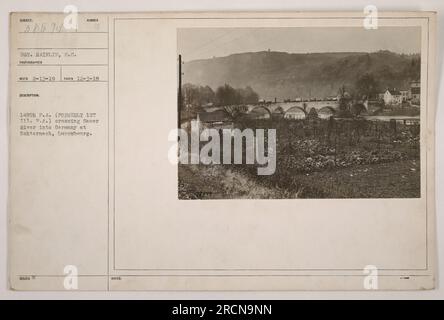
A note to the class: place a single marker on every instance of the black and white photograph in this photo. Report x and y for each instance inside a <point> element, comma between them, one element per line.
<point>208,153</point>
<point>344,104</point>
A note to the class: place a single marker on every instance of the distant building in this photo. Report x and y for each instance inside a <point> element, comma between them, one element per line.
<point>415,91</point>
<point>405,94</point>
<point>392,96</point>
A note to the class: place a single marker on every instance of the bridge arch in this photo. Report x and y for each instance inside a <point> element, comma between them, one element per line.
<point>326,112</point>
<point>333,110</point>
<point>260,111</point>
<point>295,112</point>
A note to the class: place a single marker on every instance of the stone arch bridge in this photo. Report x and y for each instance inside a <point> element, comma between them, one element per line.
<point>290,108</point>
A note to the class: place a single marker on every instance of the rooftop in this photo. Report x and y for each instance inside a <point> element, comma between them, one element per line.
<point>394,92</point>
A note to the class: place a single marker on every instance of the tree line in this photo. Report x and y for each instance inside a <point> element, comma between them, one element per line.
<point>226,95</point>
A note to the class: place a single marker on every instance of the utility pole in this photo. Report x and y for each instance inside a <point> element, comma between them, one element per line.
<point>179,93</point>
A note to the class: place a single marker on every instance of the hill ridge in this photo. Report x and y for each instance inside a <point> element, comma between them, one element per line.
<point>289,75</point>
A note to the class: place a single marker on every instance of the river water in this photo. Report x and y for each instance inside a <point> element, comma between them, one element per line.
<point>388,118</point>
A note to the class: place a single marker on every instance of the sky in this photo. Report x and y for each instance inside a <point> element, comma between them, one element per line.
<point>204,43</point>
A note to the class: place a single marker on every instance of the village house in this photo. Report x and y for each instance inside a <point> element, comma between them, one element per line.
<point>392,96</point>
<point>405,95</point>
<point>415,91</point>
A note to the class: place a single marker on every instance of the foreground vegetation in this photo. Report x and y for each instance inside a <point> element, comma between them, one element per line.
<point>319,159</point>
